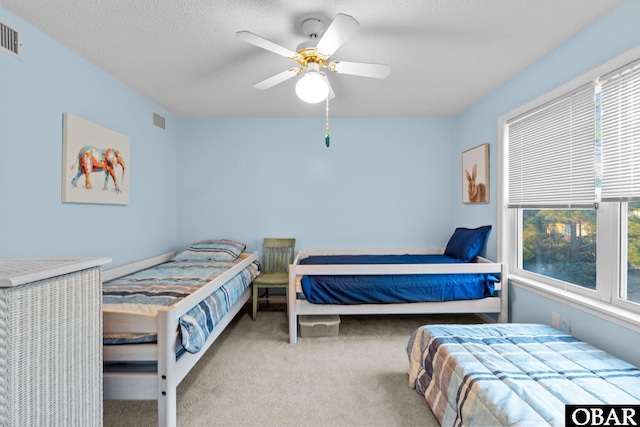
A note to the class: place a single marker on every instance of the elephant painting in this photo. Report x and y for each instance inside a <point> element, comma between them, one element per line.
<point>93,159</point>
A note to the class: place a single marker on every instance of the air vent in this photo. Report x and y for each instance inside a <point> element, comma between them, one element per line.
<point>159,121</point>
<point>10,40</point>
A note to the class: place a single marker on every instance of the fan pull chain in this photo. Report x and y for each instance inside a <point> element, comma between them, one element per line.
<point>327,139</point>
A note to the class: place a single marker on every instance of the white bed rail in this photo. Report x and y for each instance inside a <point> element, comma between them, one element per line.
<point>496,304</point>
<point>123,270</point>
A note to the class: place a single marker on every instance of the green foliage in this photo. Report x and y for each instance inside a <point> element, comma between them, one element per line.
<point>561,244</point>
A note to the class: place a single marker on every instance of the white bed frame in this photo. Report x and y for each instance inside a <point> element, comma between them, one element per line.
<point>496,304</point>
<point>142,381</point>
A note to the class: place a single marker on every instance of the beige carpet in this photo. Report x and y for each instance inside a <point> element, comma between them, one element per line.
<point>251,376</point>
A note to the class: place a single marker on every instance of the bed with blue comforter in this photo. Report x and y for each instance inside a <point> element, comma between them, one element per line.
<point>393,281</point>
<point>393,288</point>
<point>513,374</point>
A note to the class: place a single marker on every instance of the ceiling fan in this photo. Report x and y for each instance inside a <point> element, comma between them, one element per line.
<point>313,57</point>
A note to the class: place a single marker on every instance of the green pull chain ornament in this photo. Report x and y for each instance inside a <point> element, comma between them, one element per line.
<point>327,139</point>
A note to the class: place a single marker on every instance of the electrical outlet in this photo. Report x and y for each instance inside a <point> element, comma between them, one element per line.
<point>555,320</point>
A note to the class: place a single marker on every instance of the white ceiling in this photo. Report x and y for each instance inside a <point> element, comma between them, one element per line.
<point>444,54</point>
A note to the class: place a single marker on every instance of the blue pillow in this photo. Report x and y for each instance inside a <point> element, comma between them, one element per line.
<point>466,243</point>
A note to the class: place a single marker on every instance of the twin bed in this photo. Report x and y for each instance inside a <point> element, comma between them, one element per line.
<point>398,281</point>
<point>160,315</point>
<point>514,374</point>
<point>312,290</point>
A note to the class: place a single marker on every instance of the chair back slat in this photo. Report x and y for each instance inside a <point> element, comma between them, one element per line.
<point>277,254</point>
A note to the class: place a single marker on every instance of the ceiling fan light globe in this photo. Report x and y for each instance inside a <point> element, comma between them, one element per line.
<point>312,88</point>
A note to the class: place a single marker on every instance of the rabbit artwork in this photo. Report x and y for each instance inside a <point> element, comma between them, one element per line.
<point>477,192</point>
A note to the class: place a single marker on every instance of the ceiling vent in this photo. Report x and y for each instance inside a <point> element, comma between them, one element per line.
<point>10,40</point>
<point>159,121</point>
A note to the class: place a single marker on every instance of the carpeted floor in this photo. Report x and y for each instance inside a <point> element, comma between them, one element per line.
<point>252,376</point>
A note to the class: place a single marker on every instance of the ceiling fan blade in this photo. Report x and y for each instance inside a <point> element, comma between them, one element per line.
<point>377,71</point>
<point>340,29</point>
<point>277,79</point>
<point>265,44</point>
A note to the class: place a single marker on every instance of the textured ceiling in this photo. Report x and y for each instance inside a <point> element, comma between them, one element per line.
<point>183,55</point>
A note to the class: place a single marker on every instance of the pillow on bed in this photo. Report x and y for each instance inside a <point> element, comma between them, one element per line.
<point>466,243</point>
<point>212,250</point>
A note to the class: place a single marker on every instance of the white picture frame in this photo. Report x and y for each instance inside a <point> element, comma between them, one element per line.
<point>475,174</point>
<point>94,162</point>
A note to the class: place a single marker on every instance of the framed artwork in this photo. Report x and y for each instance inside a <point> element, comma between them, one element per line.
<point>475,174</point>
<point>94,162</point>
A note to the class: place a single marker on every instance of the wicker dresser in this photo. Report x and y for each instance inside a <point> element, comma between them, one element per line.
<point>51,342</point>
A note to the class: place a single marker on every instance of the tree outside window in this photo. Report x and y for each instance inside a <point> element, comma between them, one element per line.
<point>561,244</point>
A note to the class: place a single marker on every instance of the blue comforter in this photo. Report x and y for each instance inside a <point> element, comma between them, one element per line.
<point>400,288</point>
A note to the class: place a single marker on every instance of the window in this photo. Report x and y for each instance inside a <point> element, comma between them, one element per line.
<point>572,191</point>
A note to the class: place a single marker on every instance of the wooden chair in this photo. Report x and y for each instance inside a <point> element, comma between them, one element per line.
<point>277,254</point>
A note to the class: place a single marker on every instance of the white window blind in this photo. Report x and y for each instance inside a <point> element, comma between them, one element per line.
<point>552,152</point>
<point>620,135</point>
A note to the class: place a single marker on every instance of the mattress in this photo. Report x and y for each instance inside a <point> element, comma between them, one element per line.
<point>513,374</point>
<point>166,284</point>
<point>401,288</point>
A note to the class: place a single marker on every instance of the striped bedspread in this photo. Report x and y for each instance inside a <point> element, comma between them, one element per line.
<point>513,374</point>
<point>166,284</point>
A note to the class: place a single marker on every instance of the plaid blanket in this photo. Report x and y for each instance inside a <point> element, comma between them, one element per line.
<point>513,374</point>
<point>165,285</point>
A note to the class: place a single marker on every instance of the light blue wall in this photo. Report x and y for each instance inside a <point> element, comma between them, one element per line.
<point>34,93</point>
<point>384,182</point>
<point>613,34</point>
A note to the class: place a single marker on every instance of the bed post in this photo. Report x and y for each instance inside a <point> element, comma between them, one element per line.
<point>291,305</point>
<point>504,295</point>
<point>167,402</point>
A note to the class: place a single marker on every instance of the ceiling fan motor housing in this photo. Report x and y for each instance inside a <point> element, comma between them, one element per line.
<point>312,27</point>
